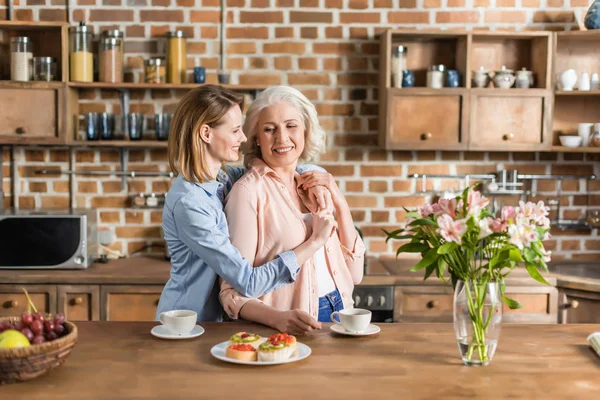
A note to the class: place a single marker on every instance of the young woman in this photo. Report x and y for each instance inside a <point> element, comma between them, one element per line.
<point>206,132</point>
<point>268,214</point>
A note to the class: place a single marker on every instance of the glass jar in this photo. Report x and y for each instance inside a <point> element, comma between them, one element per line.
<point>110,66</point>
<point>399,54</point>
<point>44,69</point>
<point>176,57</point>
<point>21,68</point>
<point>155,70</point>
<point>81,58</point>
<point>595,139</point>
<point>435,76</point>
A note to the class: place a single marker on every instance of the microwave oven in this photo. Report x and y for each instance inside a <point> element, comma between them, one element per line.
<point>53,239</point>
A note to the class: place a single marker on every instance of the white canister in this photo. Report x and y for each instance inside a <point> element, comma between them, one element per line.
<point>584,81</point>
<point>568,79</point>
<point>435,76</point>
<point>594,82</point>
<point>584,130</point>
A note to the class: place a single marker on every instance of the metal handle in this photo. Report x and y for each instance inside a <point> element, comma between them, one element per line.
<point>14,304</point>
<point>432,304</point>
<point>425,136</point>
<point>77,301</point>
<point>508,136</point>
<point>572,304</point>
<point>156,302</point>
<point>20,130</point>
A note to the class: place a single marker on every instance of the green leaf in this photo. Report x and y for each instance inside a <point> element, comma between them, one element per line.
<point>447,248</point>
<point>529,255</point>
<point>441,269</point>
<point>512,304</point>
<point>421,222</point>
<point>535,274</point>
<point>393,233</point>
<point>412,248</point>
<point>414,215</point>
<point>515,255</point>
<point>429,257</point>
<point>429,270</point>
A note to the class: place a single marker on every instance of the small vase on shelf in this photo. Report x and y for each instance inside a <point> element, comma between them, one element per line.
<point>592,18</point>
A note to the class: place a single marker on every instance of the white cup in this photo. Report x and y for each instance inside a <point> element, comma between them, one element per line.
<point>584,130</point>
<point>180,322</point>
<point>353,319</point>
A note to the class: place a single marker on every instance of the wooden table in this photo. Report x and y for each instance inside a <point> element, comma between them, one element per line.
<point>121,360</point>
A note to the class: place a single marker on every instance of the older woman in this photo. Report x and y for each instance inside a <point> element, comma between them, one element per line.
<point>268,213</point>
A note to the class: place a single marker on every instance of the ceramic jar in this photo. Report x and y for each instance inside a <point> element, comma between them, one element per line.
<point>524,79</point>
<point>504,78</point>
<point>568,79</point>
<point>480,78</point>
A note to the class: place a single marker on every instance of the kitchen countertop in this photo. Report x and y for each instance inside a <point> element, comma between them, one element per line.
<point>121,360</point>
<point>577,275</point>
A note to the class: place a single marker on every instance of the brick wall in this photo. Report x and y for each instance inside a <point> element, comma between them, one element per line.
<point>328,50</point>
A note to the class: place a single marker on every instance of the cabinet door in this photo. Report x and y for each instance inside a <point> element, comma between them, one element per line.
<point>579,307</point>
<point>13,301</point>
<point>18,106</point>
<point>426,121</point>
<point>423,303</point>
<point>79,303</point>
<point>129,303</point>
<point>508,122</point>
<point>540,305</point>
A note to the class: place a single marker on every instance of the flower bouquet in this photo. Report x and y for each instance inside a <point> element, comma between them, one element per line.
<point>461,238</point>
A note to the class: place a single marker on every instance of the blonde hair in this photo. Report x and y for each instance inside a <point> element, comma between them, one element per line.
<point>206,104</point>
<point>314,136</point>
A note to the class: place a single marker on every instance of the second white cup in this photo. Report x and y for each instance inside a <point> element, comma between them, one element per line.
<point>353,319</point>
<point>179,322</point>
<point>584,130</point>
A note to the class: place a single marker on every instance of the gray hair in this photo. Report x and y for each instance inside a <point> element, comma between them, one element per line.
<point>314,134</point>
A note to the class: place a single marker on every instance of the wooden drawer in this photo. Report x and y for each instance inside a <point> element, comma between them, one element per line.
<point>579,307</point>
<point>79,303</point>
<point>13,301</point>
<point>129,303</point>
<point>423,303</point>
<point>540,305</point>
<point>18,105</point>
<point>424,122</point>
<point>502,122</point>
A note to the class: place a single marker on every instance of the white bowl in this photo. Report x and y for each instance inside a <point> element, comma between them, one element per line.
<point>570,141</point>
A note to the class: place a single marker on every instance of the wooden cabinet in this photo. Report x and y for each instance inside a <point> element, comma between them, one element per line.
<point>502,120</point>
<point>79,303</point>
<point>435,304</point>
<point>130,303</point>
<point>579,307</point>
<point>442,129</point>
<point>13,301</point>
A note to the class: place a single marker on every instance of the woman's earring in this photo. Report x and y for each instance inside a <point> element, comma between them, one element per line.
<point>257,144</point>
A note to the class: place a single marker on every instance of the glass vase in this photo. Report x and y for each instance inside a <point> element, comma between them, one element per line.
<point>477,320</point>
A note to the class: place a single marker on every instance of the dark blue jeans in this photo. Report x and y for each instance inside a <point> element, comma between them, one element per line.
<point>329,303</point>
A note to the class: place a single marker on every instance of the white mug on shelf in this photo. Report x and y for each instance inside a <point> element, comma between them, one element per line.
<point>584,82</point>
<point>568,79</point>
<point>584,130</point>
<point>595,82</point>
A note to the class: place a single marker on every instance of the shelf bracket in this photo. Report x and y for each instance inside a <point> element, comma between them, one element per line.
<point>125,109</point>
<point>1,177</point>
<point>124,166</point>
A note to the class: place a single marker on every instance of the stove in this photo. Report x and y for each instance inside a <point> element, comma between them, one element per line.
<point>378,299</point>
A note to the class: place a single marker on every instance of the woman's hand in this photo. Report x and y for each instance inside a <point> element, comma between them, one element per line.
<point>323,198</point>
<point>296,322</point>
<point>324,225</point>
<point>325,179</point>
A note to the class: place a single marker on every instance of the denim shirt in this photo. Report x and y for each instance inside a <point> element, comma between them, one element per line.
<point>195,229</point>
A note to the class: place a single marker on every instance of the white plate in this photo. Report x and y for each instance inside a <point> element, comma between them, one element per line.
<point>218,351</point>
<point>162,332</point>
<point>371,330</point>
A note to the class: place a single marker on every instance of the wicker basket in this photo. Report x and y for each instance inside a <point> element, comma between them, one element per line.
<point>25,363</point>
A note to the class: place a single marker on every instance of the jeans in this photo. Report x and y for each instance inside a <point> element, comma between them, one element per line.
<point>329,303</point>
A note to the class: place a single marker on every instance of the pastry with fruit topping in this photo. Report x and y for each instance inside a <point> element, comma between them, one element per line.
<point>275,351</point>
<point>284,338</point>
<point>240,351</point>
<point>245,338</point>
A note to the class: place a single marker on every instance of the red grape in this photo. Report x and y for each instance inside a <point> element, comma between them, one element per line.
<point>5,326</point>
<point>19,325</point>
<point>37,327</point>
<point>59,318</point>
<point>27,318</point>
<point>39,339</point>
<point>59,329</point>
<point>28,333</point>
<point>49,325</point>
<point>39,316</point>
<point>51,336</point>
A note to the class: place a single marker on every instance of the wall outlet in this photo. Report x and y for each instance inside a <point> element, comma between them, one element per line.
<point>106,237</point>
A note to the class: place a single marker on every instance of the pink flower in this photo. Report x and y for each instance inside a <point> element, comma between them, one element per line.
<point>445,206</point>
<point>451,230</point>
<point>508,213</point>
<point>535,212</point>
<point>476,202</point>
<point>484,228</point>
<point>497,225</point>
<point>426,210</point>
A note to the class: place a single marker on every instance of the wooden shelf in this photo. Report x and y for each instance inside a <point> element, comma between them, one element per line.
<point>510,92</point>
<point>425,90</point>
<point>32,84</point>
<point>563,149</point>
<point>119,143</point>
<point>155,86</point>
<point>578,93</point>
<point>31,25</point>
<point>579,35</point>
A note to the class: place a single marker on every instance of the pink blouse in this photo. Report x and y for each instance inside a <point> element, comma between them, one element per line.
<point>263,222</point>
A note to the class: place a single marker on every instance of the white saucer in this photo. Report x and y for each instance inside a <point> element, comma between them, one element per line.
<point>371,330</point>
<point>219,350</point>
<point>161,331</point>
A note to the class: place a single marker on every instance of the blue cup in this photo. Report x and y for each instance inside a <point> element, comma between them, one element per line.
<point>408,78</point>
<point>452,78</point>
<point>199,74</point>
